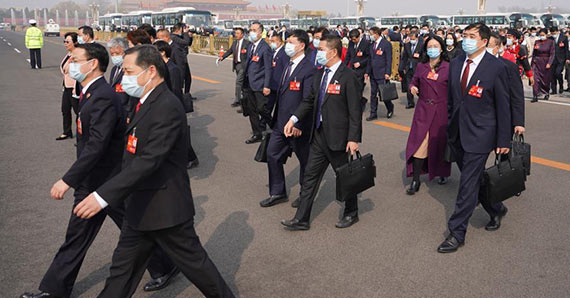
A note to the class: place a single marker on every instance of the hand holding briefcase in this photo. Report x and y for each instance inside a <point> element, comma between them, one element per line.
<point>355,177</point>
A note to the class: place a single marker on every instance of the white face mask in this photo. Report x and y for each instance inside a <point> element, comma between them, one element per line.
<point>449,42</point>
<point>131,86</point>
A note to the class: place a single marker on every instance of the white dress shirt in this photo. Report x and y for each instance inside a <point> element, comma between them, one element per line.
<point>97,196</point>
<point>277,51</point>
<point>296,62</point>
<point>255,44</point>
<point>86,88</point>
<point>239,43</point>
<point>472,67</point>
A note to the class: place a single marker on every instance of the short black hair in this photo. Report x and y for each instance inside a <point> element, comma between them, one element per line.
<point>543,30</point>
<point>148,55</point>
<point>484,30</point>
<point>301,36</point>
<point>149,29</point>
<point>354,33</point>
<point>73,36</point>
<point>257,23</point>
<point>334,43</point>
<point>496,36</point>
<point>87,30</point>
<point>239,29</point>
<point>163,46</point>
<point>178,26</point>
<point>553,29</point>
<point>503,40</point>
<point>139,36</point>
<point>97,52</point>
<point>375,30</point>
<point>415,34</point>
<point>323,30</point>
<point>278,35</point>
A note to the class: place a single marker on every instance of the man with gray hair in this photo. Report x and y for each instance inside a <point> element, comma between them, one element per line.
<point>117,47</point>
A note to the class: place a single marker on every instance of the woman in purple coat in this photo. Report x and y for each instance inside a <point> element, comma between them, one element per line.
<point>542,59</point>
<point>428,136</point>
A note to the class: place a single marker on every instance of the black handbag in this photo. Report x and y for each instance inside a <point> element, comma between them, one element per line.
<point>355,177</point>
<point>188,103</point>
<point>261,154</point>
<point>522,149</point>
<point>448,155</point>
<point>505,179</point>
<point>388,91</point>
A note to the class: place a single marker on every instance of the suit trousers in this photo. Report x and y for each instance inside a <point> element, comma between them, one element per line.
<point>557,78</point>
<point>567,75</point>
<point>240,76</point>
<point>320,156</point>
<point>257,110</point>
<point>36,58</point>
<point>470,192</point>
<point>187,78</point>
<point>68,102</point>
<point>180,243</point>
<point>405,81</point>
<point>278,151</point>
<point>62,273</point>
<point>191,153</point>
<point>374,83</point>
<point>409,76</point>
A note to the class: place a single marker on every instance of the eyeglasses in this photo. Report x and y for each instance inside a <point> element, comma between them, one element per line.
<point>66,41</point>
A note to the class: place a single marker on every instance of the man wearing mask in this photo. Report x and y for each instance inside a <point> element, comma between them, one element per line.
<point>85,35</point>
<point>379,70</point>
<point>410,58</point>
<point>238,50</point>
<point>521,54</point>
<point>560,57</point>
<point>117,47</point>
<point>294,85</point>
<point>278,64</point>
<point>335,116</point>
<point>530,40</point>
<point>317,36</point>
<point>357,57</point>
<point>258,79</point>
<point>424,31</point>
<point>479,122</point>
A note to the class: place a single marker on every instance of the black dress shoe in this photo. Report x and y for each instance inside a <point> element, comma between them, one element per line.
<point>495,222</point>
<point>414,187</point>
<point>161,282</point>
<point>63,137</point>
<point>274,200</point>
<point>553,92</point>
<point>296,203</point>
<point>534,99</point>
<point>451,244</point>
<point>442,180</point>
<point>371,117</point>
<point>390,114</point>
<point>547,97</point>
<point>295,224</point>
<point>38,295</point>
<point>235,104</point>
<point>410,107</point>
<point>346,222</point>
<point>567,90</point>
<point>253,139</point>
<point>193,163</point>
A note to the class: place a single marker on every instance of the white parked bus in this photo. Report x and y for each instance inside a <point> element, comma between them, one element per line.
<point>553,19</point>
<point>353,22</point>
<point>198,20</point>
<point>521,19</point>
<point>495,20</point>
<point>433,21</point>
<point>111,22</point>
<point>134,19</point>
<point>391,21</point>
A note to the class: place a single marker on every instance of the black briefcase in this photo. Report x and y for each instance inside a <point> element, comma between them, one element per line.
<point>188,103</point>
<point>448,155</point>
<point>505,179</point>
<point>388,91</point>
<point>522,149</point>
<point>355,177</point>
<point>261,154</point>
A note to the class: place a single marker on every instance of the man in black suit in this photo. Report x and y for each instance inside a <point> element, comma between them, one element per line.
<point>279,62</point>
<point>238,50</point>
<point>155,183</point>
<point>379,70</point>
<point>411,55</point>
<point>357,56</point>
<point>181,40</point>
<point>479,116</point>
<point>257,79</point>
<point>100,130</point>
<point>117,47</point>
<point>560,57</point>
<point>295,84</point>
<point>334,113</point>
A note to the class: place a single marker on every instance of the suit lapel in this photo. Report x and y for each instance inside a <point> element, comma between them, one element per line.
<point>293,75</point>
<point>472,80</point>
<point>335,77</point>
<point>144,108</point>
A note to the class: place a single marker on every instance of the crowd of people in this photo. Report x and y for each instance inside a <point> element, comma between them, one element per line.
<point>302,92</point>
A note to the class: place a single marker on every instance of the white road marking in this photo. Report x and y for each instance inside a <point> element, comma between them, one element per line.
<point>9,44</point>
<point>28,60</point>
<point>17,50</point>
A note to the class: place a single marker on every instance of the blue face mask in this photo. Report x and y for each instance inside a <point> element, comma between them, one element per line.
<point>316,42</point>
<point>117,60</point>
<point>80,40</point>
<point>131,87</point>
<point>470,46</point>
<point>322,57</point>
<point>372,37</point>
<point>433,53</point>
<point>75,71</point>
<point>290,49</point>
<point>253,36</point>
<point>273,46</point>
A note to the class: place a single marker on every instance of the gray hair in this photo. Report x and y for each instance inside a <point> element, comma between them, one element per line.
<point>118,42</point>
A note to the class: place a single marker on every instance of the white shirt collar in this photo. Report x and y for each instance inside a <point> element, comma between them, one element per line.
<point>255,44</point>
<point>335,66</point>
<point>298,59</point>
<point>143,99</point>
<point>477,59</point>
<point>86,88</point>
<point>277,49</point>
<point>170,42</point>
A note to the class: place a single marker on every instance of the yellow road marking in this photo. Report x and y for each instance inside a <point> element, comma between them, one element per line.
<point>534,159</point>
<point>205,80</point>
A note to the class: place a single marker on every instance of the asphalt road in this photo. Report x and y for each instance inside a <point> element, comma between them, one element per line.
<point>390,253</point>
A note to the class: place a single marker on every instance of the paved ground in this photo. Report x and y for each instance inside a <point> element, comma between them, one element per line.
<point>390,253</point>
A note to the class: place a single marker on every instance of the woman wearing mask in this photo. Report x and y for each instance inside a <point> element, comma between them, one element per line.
<point>68,101</point>
<point>451,46</point>
<point>428,136</point>
<point>542,58</point>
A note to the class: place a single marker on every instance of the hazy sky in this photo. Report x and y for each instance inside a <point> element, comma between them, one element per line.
<point>374,7</point>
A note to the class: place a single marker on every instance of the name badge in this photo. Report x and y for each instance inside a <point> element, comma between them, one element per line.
<point>536,47</point>
<point>79,126</point>
<point>416,55</point>
<point>561,44</point>
<point>274,63</point>
<point>119,88</point>
<point>359,54</point>
<point>255,58</point>
<point>333,89</point>
<point>294,86</point>
<point>379,52</point>
<point>432,76</point>
<point>476,91</point>
<point>243,51</point>
<point>132,143</point>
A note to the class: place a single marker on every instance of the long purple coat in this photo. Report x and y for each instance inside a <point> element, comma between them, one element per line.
<point>543,54</point>
<point>430,115</point>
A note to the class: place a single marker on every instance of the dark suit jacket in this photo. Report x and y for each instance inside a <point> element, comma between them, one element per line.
<point>411,58</point>
<point>233,49</point>
<point>115,82</point>
<point>258,74</point>
<point>154,181</point>
<point>100,143</point>
<point>516,92</point>
<point>395,36</point>
<point>380,65</point>
<point>288,100</point>
<point>352,56</point>
<point>175,78</point>
<point>483,123</point>
<point>342,113</point>
<point>561,53</point>
<point>279,64</point>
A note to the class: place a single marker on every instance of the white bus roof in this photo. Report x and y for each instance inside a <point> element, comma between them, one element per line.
<point>177,9</point>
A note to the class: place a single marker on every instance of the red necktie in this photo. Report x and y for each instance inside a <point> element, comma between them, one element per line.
<point>465,76</point>
<point>81,97</point>
<point>138,107</point>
